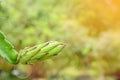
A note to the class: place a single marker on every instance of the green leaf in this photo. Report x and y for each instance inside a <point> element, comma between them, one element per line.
<point>6,50</point>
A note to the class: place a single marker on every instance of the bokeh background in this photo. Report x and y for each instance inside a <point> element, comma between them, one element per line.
<point>90,28</point>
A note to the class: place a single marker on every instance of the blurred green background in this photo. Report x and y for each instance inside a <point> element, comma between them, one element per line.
<point>90,28</point>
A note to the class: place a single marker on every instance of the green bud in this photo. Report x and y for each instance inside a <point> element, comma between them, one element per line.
<point>53,49</point>
<point>30,52</point>
<point>53,52</point>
